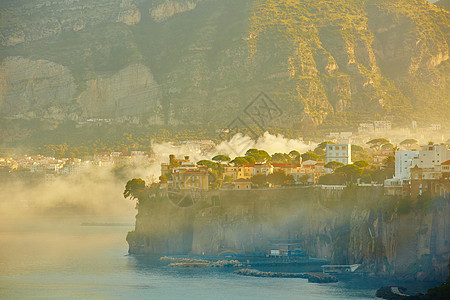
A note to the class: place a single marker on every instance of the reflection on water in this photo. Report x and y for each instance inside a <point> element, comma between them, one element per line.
<point>57,258</point>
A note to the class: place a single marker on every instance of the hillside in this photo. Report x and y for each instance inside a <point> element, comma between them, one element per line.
<point>198,62</point>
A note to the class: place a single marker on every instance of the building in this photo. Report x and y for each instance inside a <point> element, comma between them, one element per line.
<point>397,187</point>
<point>264,168</point>
<point>340,153</point>
<point>366,128</point>
<point>242,184</point>
<point>381,126</point>
<point>403,163</point>
<point>431,156</point>
<point>190,178</point>
<point>238,172</point>
<point>429,182</point>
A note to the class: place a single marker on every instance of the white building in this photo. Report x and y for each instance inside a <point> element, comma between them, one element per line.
<point>339,152</point>
<point>431,156</point>
<point>382,125</point>
<point>366,128</point>
<point>403,163</point>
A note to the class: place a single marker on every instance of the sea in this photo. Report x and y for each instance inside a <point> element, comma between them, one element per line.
<point>68,257</point>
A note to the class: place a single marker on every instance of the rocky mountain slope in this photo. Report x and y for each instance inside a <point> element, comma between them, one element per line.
<point>202,61</point>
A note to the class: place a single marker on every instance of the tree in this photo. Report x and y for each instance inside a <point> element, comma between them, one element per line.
<point>389,162</point>
<point>208,163</point>
<point>239,161</point>
<point>304,179</point>
<point>409,142</point>
<point>279,178</point>
<point>258,155</point>
<point>250,159</point>
<point>387,146</point>
<point>333,165</point>
<point>310,156</point>
<point>294,154</point>
<point>134,189</point>
<point>221,158</point>
<point>163,178</point>
<point>377,143</point>
<point>351,172</point>
<point>361,163</point>
<point>259,179</point>
<point>333,179</point>
<point>281,158</point>
<point>323,145</point>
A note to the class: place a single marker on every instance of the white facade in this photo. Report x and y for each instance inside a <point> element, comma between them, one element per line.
<point>339,152</point>
<point>431,156</point>
<point>382,125</point>
<point>403,163</point>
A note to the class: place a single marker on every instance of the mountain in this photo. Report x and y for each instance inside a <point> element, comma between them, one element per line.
<point>198,62</point>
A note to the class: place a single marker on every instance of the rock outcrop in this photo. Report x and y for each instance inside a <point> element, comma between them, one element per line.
<point>132,91</point>
<point>30,86</point>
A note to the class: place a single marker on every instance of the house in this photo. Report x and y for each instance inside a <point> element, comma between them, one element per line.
<point>366,128</point>
<point>340,153</point>
<point>431,182</point>
<point>431,156</point>
<point>190,178</point>
<point>242,184</point>
<point>403,163</point>
<point>237,172</point>
<point>381,126</point>
<point>262,168</point>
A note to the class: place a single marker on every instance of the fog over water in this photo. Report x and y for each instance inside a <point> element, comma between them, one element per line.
<point>46,252</point>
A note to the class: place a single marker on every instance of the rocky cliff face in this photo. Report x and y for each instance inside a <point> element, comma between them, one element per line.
<point>353,226</point>
<point>316,59</point>
<point>29,86</point>
<point>132,91</point>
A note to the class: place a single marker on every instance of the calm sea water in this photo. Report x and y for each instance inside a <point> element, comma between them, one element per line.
<point>59,259</point>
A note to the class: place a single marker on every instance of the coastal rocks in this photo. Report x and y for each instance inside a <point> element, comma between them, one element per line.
<point>30,85</point>
<point>312,277</point>
<point>131,91</point>
<point>199,263</point>
<point>392,293</point>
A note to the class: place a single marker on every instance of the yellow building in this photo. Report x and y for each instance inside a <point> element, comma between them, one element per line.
<point>190,178</point>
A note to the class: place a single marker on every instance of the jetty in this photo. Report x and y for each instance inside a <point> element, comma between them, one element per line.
<point>339,269</point>
<point>312,277</point>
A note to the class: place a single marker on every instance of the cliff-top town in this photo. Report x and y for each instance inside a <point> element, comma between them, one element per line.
<point>407,169</point>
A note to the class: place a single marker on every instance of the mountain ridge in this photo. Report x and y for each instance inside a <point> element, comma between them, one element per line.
<point>320,62</point>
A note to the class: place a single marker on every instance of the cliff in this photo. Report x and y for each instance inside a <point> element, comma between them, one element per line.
<point>357,225</point>
<point>321,62</point>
